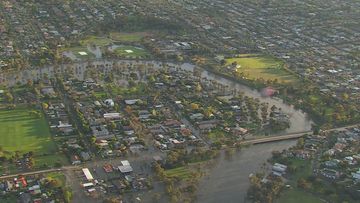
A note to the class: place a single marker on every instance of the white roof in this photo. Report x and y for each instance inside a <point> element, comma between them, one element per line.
<point>129,51</point>
<point>125,169</point>
<point>356,176</point>
<point>88,184</point>
<point>87,174</point>
<point>125,163</point>
<point>131,101</point>
<point>112,115</point>
<point>82,53</point>
<point>91,190</point>
<point>97,103</point>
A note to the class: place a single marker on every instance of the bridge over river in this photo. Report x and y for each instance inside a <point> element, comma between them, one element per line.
<point>290,136</point>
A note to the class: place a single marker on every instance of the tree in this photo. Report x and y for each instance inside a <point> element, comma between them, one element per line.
<point>31,162</point>
<point>208,111</point>
<point>45,105</point>
<point>112,125</point>
<point>93,139</point>
<point>194,106</point>
<point>67,195</point>
<point>316,129</point>
<point>53,182</point>
<point>302,183</point>
<point>300,143</point>
<point>273,108</point>
<point>198,88</point>
<point>9,97</point>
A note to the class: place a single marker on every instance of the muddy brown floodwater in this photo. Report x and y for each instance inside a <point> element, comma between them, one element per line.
<point>228,181</point>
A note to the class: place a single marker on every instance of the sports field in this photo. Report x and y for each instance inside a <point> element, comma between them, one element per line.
<point>258,66</point>
<point>181,172</point>
<point>131,51</point>
<point>95,40</point>
<point>21,132</point>
<point>127,37</point>
<point>113,37</point>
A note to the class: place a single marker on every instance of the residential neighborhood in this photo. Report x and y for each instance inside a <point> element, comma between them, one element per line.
<point>179,101</point>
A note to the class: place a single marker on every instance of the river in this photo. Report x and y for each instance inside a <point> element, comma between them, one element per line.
<point>228,181</point>
<point>299,120</point>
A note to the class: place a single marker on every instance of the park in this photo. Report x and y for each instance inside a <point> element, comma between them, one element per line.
<point>254,67</point>
<point>22,132</point>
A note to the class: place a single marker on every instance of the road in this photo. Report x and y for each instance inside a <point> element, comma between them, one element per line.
<point>40,172</point>
<point>275,138</point>
<point>149,155</point>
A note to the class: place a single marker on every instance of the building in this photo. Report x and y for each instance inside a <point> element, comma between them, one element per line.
<point>125,167</point>
<point>87,174</point>
<point>279,169</point>
<point>100,132</point>
<point>112,116</point>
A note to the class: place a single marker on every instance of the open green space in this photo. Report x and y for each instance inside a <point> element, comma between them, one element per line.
<point>95,40</point>
<point>302,167</point>
<point>113,37</point>
<point>313,100</point>
<point>131,51</point>
<point>100,95</point>
<point>127,37</point>
<point>9,198</point>
<point>50,160</point>
<point>58,177</point>
<point>294,195</point>
<point>180,172</point>
<point>265,67</point>
<point>138,89</point>
<point>216,135</point>
<point>21,132</point>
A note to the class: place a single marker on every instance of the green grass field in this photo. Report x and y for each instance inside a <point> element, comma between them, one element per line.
<point>59,177</point>
<point>94,40</point>
<point>130,51</point>
<point>20,132</point>
<point>139,89</point>
<point>127,37</point>
<point>297,196</point>
<point>216,135</point>
<point>113,37</point>
<point>9,198</point>
<point>100,95</point>
<point>181,172</point>
<point>50,160</point>
<point>257,66</point>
